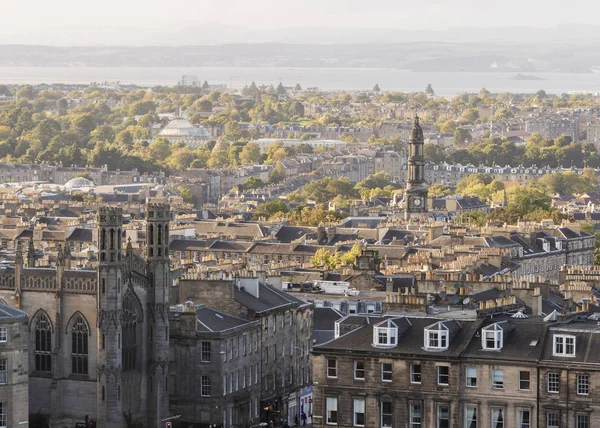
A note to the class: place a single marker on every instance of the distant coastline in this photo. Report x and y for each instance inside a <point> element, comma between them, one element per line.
<point>520,76</point>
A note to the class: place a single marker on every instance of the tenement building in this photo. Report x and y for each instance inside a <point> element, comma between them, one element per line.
<point>215,377</point>
<point>98,338</point>
<point>284,342</point>
<point>421,371</point>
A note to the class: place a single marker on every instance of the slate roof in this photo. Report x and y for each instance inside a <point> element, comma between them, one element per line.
<point>411,341</point>
<point>269,298</point>
<point>522,340</point>
<point>587,341</point>
<point>212,320</point>
<point>325,318</point>
<point>8,312</point>
<point>80,234</point>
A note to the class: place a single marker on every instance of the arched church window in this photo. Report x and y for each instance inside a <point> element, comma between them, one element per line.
<point>103,239</point>
<point>129,347</point>
<point>151,233</point>
<point>79,347</point>
<point>43,344</point>
<point>112,239</point>
<point>160,231</point>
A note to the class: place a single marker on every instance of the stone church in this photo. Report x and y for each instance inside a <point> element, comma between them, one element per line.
<point>98,338</point>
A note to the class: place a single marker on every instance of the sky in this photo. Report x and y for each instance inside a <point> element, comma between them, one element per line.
<point>135,22</point>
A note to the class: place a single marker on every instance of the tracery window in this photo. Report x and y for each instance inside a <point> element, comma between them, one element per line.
<point>79,347</point>
<point>129,333</point>
<point>43,344</point>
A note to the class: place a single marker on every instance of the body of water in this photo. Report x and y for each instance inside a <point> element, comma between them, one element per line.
<point>444,83</point>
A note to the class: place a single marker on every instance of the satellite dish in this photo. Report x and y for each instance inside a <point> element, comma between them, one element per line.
<point>442,294</point>
<point>454,300</point>
<point>466,301</point>
<point>457,286</point>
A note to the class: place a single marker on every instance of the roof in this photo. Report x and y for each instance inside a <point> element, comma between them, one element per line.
<point>325,318</point>
<point>8,312</point>
<point>269,298</point>
<point>410,342</point>
<point>212,320</point>
<point>522,340</point>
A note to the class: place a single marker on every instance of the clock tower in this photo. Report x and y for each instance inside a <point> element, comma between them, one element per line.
<point>415,194</point>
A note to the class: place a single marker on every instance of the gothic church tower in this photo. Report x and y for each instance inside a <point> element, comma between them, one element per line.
<point>109,306</point>
<point>157,256</point>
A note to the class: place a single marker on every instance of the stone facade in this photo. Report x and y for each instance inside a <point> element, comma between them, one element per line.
<point>14,373</point>
<point>98,338</point>
<point>217,376</point>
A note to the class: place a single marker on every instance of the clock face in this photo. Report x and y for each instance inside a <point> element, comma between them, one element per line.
<point>417,202</point>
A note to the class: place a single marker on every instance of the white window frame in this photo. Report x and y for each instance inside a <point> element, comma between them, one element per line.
<point>335,368</point>
<point>520,422</point>
<point>3,335</point>
<point>224,385</point>
<point>436,337</point>
<point>469,421</point>
<point>356,369</point>
<point>495,334</point>
<point>383,415</point>
<point>357,403</point>
<point>523,380</point>
<point>438,414</point>
<point>385,334</point>
<point>582,382</point>
<point>439,374</point>
<point>329,407</point>
<point>561,344</point>
<point>471,373</point>
<point>553,378</point>
<point>495,383</point>
<point>385,372</point>
<point>495,423</point>
<point>413,373</point>
<point>415,418</point>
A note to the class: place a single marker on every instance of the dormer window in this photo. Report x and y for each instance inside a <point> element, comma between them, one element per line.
<point>437,337</point>
<point>564,345</point>
<point>492,337</point>
<point>385,334</point>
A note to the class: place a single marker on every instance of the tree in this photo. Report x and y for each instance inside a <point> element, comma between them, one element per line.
<point>438,190</point>
<point>461,136</point>
<point>297,88</point>
<point>324,259</point>
<point>429,90</point>
<point>205,85</point>
<point>448,127</point>
<point>278,174</point>
<point>484,93</point>
<point>272,207</point>
<point>186,194</point>
<point>180,159</point>
<point>471,115</point>
<point>160,148</point>
<point>233,132</point>
<point>280,89</point>
<point>433,153</point>
<point>349,257</point>
<point>253,183</point>
<point>250,154</point>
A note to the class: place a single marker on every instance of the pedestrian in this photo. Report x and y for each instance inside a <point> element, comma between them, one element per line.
<point>303,416</point>
<point>296,420</point>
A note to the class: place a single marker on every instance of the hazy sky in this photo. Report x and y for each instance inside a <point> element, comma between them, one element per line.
<point>131,21</point>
